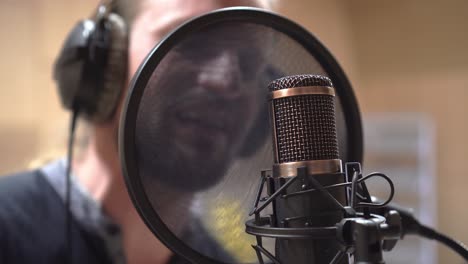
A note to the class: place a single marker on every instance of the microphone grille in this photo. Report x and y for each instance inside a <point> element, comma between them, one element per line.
<point>298,81</point>
<point>305,125</point>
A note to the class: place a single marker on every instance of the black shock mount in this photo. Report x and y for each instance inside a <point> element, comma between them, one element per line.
<point>360,233</point>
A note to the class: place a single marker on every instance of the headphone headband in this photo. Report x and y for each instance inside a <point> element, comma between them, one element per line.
<point>103,10</point>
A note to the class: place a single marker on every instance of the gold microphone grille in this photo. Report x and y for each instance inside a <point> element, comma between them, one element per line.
<point>305,125</point>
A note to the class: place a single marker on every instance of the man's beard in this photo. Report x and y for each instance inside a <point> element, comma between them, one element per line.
<point>161,159</point>
<point>188,157</point>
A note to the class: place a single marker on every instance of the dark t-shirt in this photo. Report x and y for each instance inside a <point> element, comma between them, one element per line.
<point>32,227</point>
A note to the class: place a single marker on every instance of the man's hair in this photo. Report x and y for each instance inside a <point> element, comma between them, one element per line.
<point>128,9</point>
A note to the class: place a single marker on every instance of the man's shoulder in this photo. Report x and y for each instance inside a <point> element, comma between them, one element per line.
<point>26,191</point>
<point>32,223</point>
<point>27,201</point>
<point>30,211</point>
<point>28,180</point>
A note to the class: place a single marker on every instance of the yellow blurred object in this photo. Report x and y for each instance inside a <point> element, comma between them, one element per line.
<point>227,221</point>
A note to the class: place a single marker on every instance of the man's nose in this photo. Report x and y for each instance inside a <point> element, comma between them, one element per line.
<point>220,75</point>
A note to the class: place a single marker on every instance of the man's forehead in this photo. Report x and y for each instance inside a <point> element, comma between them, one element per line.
<point>233,33</point>
<point>163,16</point>
<point>224,3</point>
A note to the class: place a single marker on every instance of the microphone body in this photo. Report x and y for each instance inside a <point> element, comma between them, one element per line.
<point>305,139</point>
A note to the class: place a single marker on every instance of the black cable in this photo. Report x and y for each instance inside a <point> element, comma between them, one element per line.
<point>68,215</point>
<point>411,226</point>
<point>430,233</point>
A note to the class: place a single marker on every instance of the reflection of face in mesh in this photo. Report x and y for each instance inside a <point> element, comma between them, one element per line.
<point>199,106</point>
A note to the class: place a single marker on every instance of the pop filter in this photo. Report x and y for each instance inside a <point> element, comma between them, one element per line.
<point>195,130</point>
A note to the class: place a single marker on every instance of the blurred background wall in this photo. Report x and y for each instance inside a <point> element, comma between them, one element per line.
<point>401,56</point>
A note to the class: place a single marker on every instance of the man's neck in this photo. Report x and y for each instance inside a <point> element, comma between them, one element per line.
<point>98,170</point>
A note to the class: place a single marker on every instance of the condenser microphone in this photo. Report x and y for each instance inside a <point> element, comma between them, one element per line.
<point>305,140</point>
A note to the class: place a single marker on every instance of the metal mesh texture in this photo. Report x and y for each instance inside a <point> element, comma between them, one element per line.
<point>298,81</point>
<point>305,125</point>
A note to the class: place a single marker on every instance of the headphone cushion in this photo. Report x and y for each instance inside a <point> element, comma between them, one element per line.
<point>115,75</point>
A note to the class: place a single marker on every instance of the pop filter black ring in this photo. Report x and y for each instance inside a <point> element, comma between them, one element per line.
<point>127,143</point>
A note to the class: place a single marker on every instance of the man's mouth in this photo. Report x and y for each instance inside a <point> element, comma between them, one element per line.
<point>201,131</point>
<point>209,120</point>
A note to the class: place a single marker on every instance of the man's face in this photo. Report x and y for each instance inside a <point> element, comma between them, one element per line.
<point>201,100</point>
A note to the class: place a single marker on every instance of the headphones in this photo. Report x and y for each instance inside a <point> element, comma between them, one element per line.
<point>91,68</point>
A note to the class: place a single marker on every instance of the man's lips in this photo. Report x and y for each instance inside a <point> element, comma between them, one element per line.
<point>201,132</point>
<point>207,119</point>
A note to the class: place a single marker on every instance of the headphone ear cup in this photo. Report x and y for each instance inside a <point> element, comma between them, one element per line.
<point>70,65</point>
<point>115,75</point>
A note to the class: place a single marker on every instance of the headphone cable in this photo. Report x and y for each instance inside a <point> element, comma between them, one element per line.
<point>68,189</point>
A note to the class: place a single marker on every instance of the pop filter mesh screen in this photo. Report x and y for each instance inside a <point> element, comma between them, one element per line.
<point>202,133</point>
